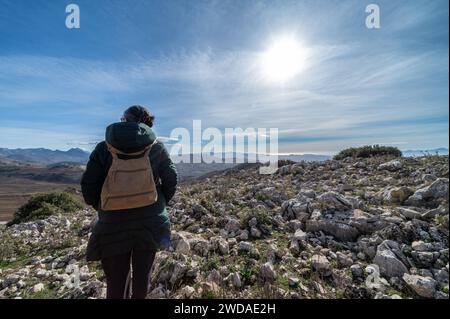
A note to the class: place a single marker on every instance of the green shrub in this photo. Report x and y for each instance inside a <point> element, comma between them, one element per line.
<point>285,162</point>
<point>261,216</point>
<point>247,273</point>
<point>211,263</point>
<point>368,151</point>
<point>442,221</point>
<point>44,205</point>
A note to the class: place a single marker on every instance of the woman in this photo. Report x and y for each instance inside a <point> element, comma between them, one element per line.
<point>129,236</point>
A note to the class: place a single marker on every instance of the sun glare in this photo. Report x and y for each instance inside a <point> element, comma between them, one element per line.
<point>283,60</point>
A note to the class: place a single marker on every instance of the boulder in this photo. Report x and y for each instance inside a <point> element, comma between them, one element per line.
<point>223,246</point>
<point>388,258</point>
<point>344,260</point>
<point>233,225</point>
<point>300,235</point>
<point>321,264</point>
<point>340,230</point>
<point>234,279</point>
<point>332,201</point>
<point>178,271</point>
<point>245,246</point>
<point>180,241</point>
<point>428,195</point>
<point>267,272</point>
<point>408,213</point>
<point>423,286</point>
<point>373,279</point>
<point>396,195</point>
<point>298,208</point>
<point>37,288</point>
<point>420,245</point>
<point>392,166</point>
<point>199,246</point>
<point>187,292</point>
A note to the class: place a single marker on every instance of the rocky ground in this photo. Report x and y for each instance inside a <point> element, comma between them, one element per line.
<point>372,228</point>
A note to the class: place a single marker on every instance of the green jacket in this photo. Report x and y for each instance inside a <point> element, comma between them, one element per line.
<point>121,231</point>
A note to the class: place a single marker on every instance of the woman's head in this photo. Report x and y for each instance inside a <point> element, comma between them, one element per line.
<point>139,114</point>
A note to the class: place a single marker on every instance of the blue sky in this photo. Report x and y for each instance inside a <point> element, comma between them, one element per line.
<point>189,60</point>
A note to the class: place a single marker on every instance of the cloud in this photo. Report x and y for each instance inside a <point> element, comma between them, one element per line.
<point>358,86</point>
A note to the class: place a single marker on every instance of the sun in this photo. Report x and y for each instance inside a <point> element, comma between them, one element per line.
<point>283,60</point>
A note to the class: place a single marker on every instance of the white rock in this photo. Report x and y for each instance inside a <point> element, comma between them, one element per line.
<point>223,246</point>
<point>41,273</point>
<point>388,261</point>
<point>178,272</point>
<point>321,264</point>
<point>268,272</point>
<point>396,195</point>
<point>300,235</point>
<point>419,246</point>
<point>215,276</point>
<point>182,246</point>
<point>408,213</point>
<point>234,279</point>
<point>423,286</point>
<point>439,189</point>
<point>187,291</point>
<point>38,287</point>
<point>20,284</point>
<point>392,166</point>
<point>374,280</point>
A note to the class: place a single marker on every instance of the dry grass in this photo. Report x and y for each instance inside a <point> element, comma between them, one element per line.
<point>14,192</point>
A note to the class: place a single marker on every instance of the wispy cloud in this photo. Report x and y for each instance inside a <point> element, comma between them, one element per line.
<point>358,86</point>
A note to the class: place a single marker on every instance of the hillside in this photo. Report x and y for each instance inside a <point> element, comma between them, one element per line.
<point>44,155</point>
<point>372,228</point>
<point>24,172</point>
<point>19,180</point>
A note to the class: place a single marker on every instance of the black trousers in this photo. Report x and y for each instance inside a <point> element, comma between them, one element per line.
<point>117,269</point>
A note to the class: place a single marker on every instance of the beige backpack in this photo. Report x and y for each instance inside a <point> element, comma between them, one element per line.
<point>130,182</point>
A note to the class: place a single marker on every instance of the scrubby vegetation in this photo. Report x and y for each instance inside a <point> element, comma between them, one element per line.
<point>368,151</point>
<point>44,205</point>
<point>312,230</point>
<point>285,162</point>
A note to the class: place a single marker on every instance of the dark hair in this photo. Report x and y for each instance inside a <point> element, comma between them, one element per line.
<point>139,114</point>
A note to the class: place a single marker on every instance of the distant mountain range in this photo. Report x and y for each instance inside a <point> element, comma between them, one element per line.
<point>68,163</point>
<point>78,156</point>
<point>75,155</point>
<point>45,156</point>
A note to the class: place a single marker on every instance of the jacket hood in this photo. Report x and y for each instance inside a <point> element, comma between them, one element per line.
<point>129,137</point>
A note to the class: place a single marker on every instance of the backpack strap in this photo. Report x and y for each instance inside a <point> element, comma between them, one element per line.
<point>114,151</point>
